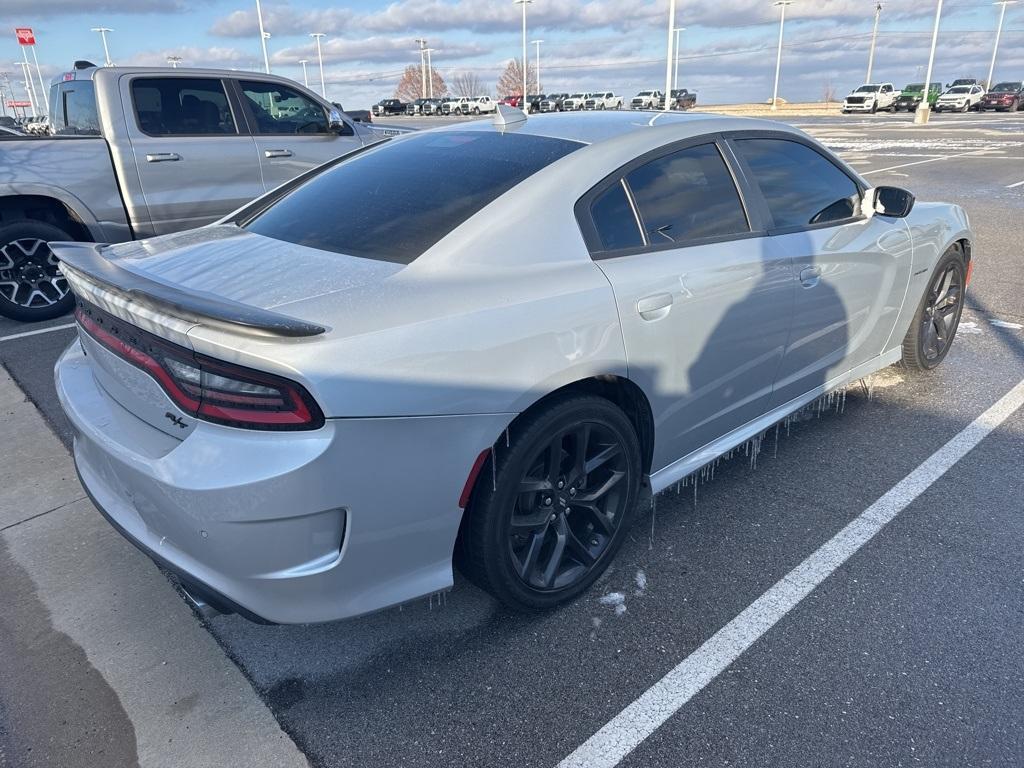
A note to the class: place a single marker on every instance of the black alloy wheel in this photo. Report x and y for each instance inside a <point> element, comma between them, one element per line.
<point>549,523</point>
<point>32,286</point>
<point>938,316</point>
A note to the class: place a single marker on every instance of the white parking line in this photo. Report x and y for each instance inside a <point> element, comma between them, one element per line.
<point>628,729</point>
<point>1018,184</point>
<point>26,334</point>
<point>930,160</point>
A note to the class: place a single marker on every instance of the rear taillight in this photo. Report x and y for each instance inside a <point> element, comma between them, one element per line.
<point>206,388</point>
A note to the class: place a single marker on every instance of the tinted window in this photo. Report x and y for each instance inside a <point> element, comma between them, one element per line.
<point>614,220</point>
<point>800,186</point>
<point>73,105</point>
<point>395,201</point>
<point>687,195</point>
<point>279,109</point>
<point>181,106</point>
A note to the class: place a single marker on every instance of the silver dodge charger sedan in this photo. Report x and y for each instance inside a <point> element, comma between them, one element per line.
<point>314,407</point>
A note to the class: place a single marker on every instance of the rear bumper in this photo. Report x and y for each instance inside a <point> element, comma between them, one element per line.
<point>280,527</point>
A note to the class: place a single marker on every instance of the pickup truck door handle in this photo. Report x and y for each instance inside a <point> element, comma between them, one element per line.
<point>163,157</point>
<point>809,276</point>
<point>277,153</point>
<point>654,307</point>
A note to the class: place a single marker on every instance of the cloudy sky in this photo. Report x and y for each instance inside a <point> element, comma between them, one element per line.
<point>727,52</point>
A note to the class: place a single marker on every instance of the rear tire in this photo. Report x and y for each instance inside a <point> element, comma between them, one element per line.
<point>31,285</point>
<point>547,522</point>
<point>937,318</point>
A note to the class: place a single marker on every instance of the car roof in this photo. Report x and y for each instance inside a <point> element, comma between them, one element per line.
<point>598,127</point>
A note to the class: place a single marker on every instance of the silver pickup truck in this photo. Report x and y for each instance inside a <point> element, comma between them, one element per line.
<point>140,151</point>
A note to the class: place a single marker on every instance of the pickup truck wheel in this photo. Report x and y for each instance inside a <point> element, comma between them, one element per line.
<point>31,284</point>
<point>476,110</point>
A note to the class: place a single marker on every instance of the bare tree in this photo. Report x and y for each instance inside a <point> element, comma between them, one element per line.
<point>511,81</point>
<point>828,92</point>
<point>410,86</point>
<point>467,84</point>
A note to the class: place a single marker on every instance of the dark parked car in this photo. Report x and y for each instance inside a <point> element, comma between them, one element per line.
<point>553,102</point>
<point>389,107</point>
<point>415,107</point>
<point>681,99</point>
<point>1004,97</point>
<point>532,102</point>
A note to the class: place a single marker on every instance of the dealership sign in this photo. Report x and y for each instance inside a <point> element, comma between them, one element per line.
<point>25,35</point>
<point>15,104</point>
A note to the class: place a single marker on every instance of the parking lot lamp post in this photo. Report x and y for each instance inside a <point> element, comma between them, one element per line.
<point>874,39</point>
<point>675,76</point>
<point>525,3</point>
<point>423,67</point>
<point>305,77</point>
<point>537,43</point>
<point>430,74</point>
<point>174,61</point>
<point>106,51</point>
<point>778,58</point>
<point>924,109</point>
<point>999,32</point>
<point>668,51</point>
<point>263,37</point>
<point>28,87</point>
<point>320,56</point>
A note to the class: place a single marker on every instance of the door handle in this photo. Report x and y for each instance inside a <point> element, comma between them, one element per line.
<point>277,153</point>
<point>163,157</point>
<point>654,307</point>
<point>809,276</point>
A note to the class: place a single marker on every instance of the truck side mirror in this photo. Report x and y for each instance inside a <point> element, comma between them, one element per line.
<point>339,126</point>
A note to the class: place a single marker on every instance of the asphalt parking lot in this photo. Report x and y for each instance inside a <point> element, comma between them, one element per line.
<point>909,652</point>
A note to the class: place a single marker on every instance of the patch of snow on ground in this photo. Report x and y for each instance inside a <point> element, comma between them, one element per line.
<point>641,582</point>
<point>615,600</point>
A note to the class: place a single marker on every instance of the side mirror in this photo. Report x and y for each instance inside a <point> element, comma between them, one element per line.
<point>338,125</point>
<point>891,201</point>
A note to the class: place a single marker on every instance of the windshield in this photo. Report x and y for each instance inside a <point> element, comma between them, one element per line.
<point>390,203</point>
<point>914,88</point>
<point>960,89</point>
<point>646,93</point>
<point>867,89</point>
<point>1006,88</point>
<point>577,96</point>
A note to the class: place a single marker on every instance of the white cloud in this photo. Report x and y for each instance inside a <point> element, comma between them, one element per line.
<point>376,49</point>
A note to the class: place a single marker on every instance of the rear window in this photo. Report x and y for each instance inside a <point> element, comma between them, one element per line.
<point>73,108</point>
<point>394,202</point>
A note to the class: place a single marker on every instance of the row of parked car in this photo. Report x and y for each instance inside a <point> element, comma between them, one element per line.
<point>680,99</point>
<point>25,126</point>
<point>961,95</point>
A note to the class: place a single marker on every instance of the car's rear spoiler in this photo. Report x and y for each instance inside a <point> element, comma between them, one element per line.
<point>84,261</point>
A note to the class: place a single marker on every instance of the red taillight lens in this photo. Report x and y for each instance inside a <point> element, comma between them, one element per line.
<point>206,388</point>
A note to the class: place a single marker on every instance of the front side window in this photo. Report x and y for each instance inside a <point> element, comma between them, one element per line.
<point>279,109</point>
<point>800,186</point>
<point>391,203</point>
<point>687,195</point>
<point>182,106</point>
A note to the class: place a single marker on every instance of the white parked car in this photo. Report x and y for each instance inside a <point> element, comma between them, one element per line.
<point>960,98</point>
<point>480,105</point>
<point>871,98</point>
<point>575,102</point>
<point>646,100</point>
<point>38,126</point>
<point>397,380</point>
<point>605,100</point>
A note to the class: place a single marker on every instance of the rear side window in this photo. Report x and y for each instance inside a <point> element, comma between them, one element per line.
<point>73,109</point>
<point>615,221</point>
<point>687,195</point>
<point>182,106</point>
<point>394,202</point>
<point>800,185</point>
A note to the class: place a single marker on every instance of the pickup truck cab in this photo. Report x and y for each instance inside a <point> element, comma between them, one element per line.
<point>604,100</point>
<point>575,102</point>
<point>143,151</point>
<point>481,104</point>
<point>871,97</point>
<point>388,107</point>
<point>646,100</point>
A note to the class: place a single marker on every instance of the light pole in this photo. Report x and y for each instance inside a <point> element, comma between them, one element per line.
<point>174,61</point>
<point>675,77</point>
<point>536,44</point>
<point>524,3</point>
<point>263,37</point>
<point>39,74</point>
<point>430,74</point>
<point>778,58</point>
<point>305,77</point>
<point>423,67</point>
<point>924,109</point>
<point>874,39</point>
<point>995,48</point>
<point>106,51</point>
<point>28,87</point>
<point>320,56</point>
<point>668,53</point>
